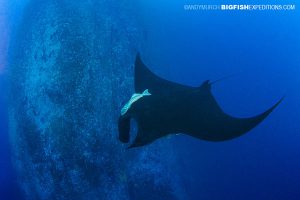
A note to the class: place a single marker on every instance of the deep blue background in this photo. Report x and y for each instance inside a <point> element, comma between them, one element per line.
<point>9,189</point>
<point>261,50</point>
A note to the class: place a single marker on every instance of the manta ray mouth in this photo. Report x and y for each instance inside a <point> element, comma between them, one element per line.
<point>128,129</point>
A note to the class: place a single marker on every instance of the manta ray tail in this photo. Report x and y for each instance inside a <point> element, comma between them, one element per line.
<point>221,79</point>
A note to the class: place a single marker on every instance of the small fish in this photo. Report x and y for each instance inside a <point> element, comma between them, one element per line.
<point>133,99</point>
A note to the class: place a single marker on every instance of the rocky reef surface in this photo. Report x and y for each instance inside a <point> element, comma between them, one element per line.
<point>70,71</point>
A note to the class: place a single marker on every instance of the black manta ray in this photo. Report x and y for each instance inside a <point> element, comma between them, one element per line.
<point>161,107</point>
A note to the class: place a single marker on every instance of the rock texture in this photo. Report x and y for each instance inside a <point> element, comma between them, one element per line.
<point>71,69</point>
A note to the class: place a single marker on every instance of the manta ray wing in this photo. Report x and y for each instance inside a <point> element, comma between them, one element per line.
<point>145,79</point>
<point>219,126</point>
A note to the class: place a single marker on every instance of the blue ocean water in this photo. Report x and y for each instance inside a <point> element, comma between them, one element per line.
<point>260,49</point>
<point>9,188</point>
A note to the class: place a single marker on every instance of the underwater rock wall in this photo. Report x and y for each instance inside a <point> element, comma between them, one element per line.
<point>71,69</point>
